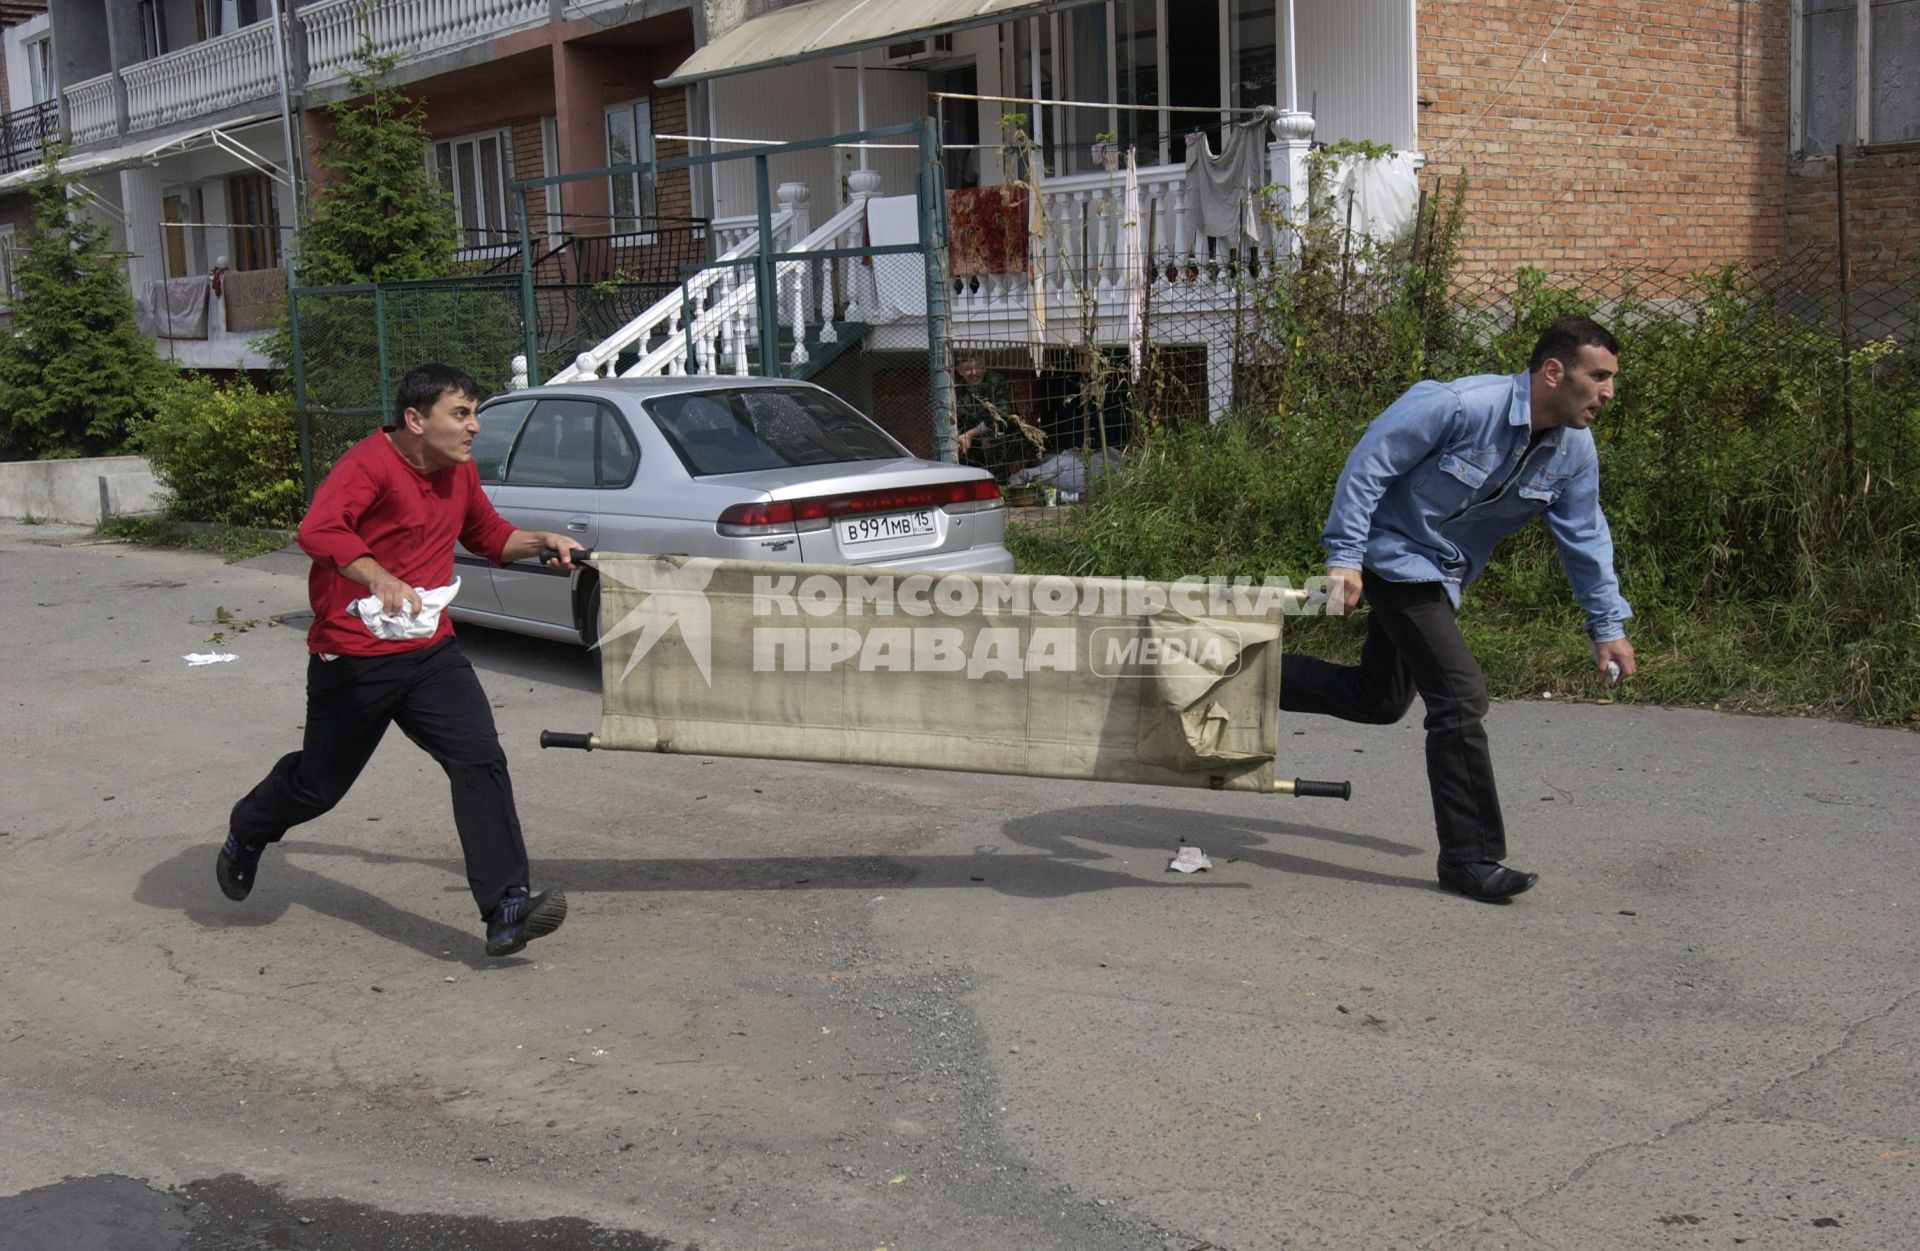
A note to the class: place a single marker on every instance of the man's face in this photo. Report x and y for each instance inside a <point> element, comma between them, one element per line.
<point>447,430</point>
<point>1583,387</point>
<point>970,370</point>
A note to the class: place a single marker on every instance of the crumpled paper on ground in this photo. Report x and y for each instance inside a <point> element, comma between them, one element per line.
<point>208,658</point>
<point>1190,860</point>
<point>398,625</point>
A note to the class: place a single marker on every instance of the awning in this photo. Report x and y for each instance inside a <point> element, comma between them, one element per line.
<point>805,31</point>
<point>149,150</point>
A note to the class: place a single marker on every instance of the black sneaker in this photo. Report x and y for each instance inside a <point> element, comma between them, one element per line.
<point>520,919</point>
<point>238,865</point>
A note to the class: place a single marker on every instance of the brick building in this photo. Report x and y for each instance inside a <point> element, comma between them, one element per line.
<point>1668,134</point>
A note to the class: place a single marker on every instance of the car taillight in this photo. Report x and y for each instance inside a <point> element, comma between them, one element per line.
<point>818,511</point>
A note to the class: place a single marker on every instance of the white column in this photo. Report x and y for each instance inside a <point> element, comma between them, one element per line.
<point>146,252</point>
<point>864,305</point>
<point>1289,99</point>
<point>1287,166</point>
<point>860,101</point>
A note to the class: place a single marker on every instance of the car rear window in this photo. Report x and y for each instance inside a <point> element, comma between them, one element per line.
<point>718,432</point>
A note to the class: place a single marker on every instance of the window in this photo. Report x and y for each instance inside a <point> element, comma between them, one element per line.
<point>1854,81</point>
<point>9,259</point>
<point>253,222</point>
<point>153,28</point>
<point>630,142</point>
<point>720,432</point>
<point>566,443</point>
<point>40,68</point>
<point>475,170</point>
<point>499,427</point>
<point>225,16</point>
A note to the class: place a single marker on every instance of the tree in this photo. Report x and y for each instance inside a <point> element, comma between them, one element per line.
<point>76,371</point>
<point>379,217</point>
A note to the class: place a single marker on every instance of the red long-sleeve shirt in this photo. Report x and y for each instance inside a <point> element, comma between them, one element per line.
<point>375,504</point>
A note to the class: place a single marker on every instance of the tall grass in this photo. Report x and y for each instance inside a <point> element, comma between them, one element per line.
<point>1770,568</point>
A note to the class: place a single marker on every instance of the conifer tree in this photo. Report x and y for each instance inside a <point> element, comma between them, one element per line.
<point>76,370</point>
<point>378,216</point>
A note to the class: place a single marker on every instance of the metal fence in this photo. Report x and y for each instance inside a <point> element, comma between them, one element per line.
<point>846,297</point>
<point>352,344</point>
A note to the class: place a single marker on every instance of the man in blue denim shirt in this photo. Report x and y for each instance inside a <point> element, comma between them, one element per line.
<point>1439,478</point>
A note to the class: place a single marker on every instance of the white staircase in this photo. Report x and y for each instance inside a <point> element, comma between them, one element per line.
<point>709,324</point>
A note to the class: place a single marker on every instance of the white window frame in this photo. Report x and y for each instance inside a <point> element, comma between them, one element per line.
<point>41,83</point>
<point>8,261</point>
<point>478,217</point>
<point>1861,136</point>
<point>644,188</point>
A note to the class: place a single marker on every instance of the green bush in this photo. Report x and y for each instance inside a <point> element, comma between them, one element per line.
<point>1769,567</point>
<point>229,455</point>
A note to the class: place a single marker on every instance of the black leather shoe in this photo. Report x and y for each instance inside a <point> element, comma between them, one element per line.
<point>520,919</point>
<point>238,864</point>
<point>1485,880</point>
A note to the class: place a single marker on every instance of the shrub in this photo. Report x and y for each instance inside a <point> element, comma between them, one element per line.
<point>76,371</point>
<point>1770,546</point>
<point>225,455</point>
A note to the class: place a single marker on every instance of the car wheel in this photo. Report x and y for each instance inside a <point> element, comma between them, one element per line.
<point>588,620</point>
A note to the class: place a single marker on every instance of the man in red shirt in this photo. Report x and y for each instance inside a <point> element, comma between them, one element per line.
<point>384,523</point>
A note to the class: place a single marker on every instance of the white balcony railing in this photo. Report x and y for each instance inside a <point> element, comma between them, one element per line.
<point>203,78</point>
<point>90,109</point>
<point>406,29</point>
<point>1080,252</point>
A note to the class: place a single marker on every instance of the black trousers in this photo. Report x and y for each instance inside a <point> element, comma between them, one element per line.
<point>1414,644</point>
<point>434,696</point>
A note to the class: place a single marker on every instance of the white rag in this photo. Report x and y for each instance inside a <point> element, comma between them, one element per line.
<point>207,658</point>
<point>398,625</point>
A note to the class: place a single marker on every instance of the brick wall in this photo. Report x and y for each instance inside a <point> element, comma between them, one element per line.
<point>1883,206</point>
<point>675,188</point>
<point>1645,130</point>
<point>528,138</point>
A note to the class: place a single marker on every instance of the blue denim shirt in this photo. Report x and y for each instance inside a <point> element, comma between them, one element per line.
<point>1439,479</point>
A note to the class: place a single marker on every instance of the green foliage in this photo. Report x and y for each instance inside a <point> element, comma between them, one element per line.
<point>234,542</point>
<point>229,456</point>
<point>379,217</point>
<point>1767,569</point>
<point>76,371</point>
<point>382,220</point>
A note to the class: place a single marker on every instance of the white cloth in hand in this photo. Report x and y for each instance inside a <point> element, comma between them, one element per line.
<point>398,625</point>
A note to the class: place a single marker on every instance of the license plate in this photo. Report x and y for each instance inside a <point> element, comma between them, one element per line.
<point>856,530</point>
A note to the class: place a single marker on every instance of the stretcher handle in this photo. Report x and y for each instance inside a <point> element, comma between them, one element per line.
<point>561,738</point>
<point>580,555</point>
<point>1304,789</point>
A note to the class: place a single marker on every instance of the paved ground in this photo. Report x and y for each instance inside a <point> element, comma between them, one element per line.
<point>810,1007</point>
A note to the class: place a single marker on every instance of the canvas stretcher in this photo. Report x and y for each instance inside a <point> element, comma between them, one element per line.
<point>1089,679</point>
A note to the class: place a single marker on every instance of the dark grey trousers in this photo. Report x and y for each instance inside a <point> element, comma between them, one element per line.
<point>435,698</point>
<point>1413,644</point>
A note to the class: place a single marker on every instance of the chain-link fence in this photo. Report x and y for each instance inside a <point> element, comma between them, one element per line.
<point>352,344</point>
<point>839,294</point>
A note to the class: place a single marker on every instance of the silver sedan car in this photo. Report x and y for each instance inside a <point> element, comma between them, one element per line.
<point>735,468</point>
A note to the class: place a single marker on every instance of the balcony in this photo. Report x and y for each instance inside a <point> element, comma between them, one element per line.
<point>203,79</point>
<point>406,29</point>
<point>26,134</point>
<point>90,110</point>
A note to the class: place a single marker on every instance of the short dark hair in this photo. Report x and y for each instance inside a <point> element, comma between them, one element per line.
<point>424,385</point>
<point>1563,340</point>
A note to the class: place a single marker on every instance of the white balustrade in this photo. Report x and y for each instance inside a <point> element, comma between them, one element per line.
<point>1078,257</point>
<point>732,302</point>
<point>407,29</point>
<point>202,78</point>
<point>638,332</point>
<point>90,109</point>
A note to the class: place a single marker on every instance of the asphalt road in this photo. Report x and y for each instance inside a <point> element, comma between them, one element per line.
<point>798,1006</point>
